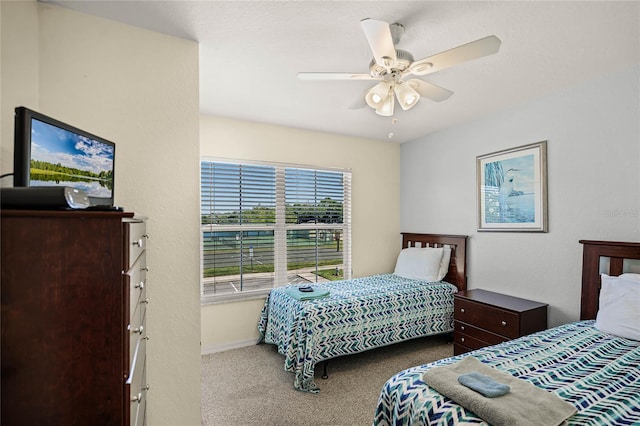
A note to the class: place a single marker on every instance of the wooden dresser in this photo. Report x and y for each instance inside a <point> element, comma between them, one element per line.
<point>483,318</point>
<point>73,318</point>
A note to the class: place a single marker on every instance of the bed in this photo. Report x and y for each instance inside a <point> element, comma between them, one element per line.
<point>597,373</point>
<point>365,313</point>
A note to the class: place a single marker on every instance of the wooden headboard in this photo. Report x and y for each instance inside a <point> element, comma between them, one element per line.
<point>457,274</point>
<point>591,253</point>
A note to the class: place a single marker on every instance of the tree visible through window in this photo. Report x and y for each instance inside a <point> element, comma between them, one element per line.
<point>269,225</point>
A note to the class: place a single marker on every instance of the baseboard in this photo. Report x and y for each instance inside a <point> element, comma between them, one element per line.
<point>234,345</point>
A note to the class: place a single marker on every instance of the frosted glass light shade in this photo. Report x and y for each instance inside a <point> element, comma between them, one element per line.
<point>378,94</point>
<point>386,109</point>
<point>407,95</point>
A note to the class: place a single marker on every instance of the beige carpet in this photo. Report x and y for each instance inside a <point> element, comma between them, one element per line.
<point>248,386</point>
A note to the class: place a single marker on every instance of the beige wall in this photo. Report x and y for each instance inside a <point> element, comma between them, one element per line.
<point>593,175</point>
<point>375,202</point>
<point>140,90</point>
<point>18,71</point>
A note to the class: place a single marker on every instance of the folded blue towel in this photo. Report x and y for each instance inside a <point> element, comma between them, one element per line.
<point>316,293</point>
<point>482,384</point>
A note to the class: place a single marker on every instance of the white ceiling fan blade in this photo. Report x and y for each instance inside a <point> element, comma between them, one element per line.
<point>333,76</point>
<point>467,52</point>
<point>430,90</point>
<point>380,41</point>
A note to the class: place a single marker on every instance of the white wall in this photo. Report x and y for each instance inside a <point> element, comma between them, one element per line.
<point>140,90</point>
<point>375,202</point>
<point>593,181</point>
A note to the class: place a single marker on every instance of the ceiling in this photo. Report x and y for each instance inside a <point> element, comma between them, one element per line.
<point>251,51</point>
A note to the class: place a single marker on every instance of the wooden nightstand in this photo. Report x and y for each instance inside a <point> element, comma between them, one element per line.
<point>483,318</point>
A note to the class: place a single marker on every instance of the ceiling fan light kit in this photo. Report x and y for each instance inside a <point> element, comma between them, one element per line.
<point>377,95</point>
<point>407,95</point>
<point>390,65</point>
<point>386,108</point>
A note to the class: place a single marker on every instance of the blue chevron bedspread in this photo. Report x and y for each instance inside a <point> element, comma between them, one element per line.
<point>598,373</point>
<point>358,314</point>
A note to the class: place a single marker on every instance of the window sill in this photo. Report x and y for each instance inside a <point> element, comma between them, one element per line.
<point>235,297</point>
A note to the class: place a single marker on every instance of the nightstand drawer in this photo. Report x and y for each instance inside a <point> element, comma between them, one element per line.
<point>468,341</point>
<point>469,331</point>
<point>488,317</point>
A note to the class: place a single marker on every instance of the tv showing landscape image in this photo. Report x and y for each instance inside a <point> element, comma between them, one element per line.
<point>61,157</point>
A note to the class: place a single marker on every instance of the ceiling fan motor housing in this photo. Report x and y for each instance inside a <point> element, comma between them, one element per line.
<point>404,59</point>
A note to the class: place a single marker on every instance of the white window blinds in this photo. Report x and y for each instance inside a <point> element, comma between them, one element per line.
<point>265,225</point>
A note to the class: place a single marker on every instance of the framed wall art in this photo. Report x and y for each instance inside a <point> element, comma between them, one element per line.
<point>512,189</point>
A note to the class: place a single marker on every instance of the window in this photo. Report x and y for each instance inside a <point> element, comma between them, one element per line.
<point>265,225</point>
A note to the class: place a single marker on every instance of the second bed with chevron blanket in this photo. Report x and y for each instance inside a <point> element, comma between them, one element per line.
<point>597,373</point>
<point>357,315</point>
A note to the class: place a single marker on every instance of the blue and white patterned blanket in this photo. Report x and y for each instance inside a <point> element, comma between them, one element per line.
<point>598,373</point>
<point>358,314</point>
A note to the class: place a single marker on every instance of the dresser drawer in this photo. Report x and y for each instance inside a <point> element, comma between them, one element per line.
<point>488,317</point>
<point>137,383</point>
<point>136,282</point>
<point>137,241</point>
<point>137,364</point>
<point>137,331</point>
<point>466,330</point>
<point>139,407</point>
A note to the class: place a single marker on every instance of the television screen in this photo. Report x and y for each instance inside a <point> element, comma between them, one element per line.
<point>48,152</point>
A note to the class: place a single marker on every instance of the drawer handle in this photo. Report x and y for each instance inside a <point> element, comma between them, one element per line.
<point>462,339</point>
<point>504,323</point>
<point>138,243</point>
<point>140,286</point>
<point>146,388</point>
<point>462,327</point>
<point>137,398</point>
<point>147,337</point>
<point>462,310</point>
<point>145,301</point>
<point>145,269</point>
<point>138,330</point>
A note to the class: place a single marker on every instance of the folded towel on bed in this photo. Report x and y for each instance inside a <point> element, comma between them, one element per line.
<point>483,384</point>
<point>524,405</point>
<point>315,293</point>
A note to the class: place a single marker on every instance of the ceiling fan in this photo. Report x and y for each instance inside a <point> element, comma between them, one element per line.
<point>391,67</point>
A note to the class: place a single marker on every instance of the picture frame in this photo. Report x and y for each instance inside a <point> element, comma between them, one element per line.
<point>512,189</point>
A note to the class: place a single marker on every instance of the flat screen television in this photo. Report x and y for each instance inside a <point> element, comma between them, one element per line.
<point>48,152</point>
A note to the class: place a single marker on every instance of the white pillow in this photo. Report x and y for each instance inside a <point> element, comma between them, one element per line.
<point>618,312</point>
<point>630,276</point>
<point>444,263</point>
<point>419,263</point>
